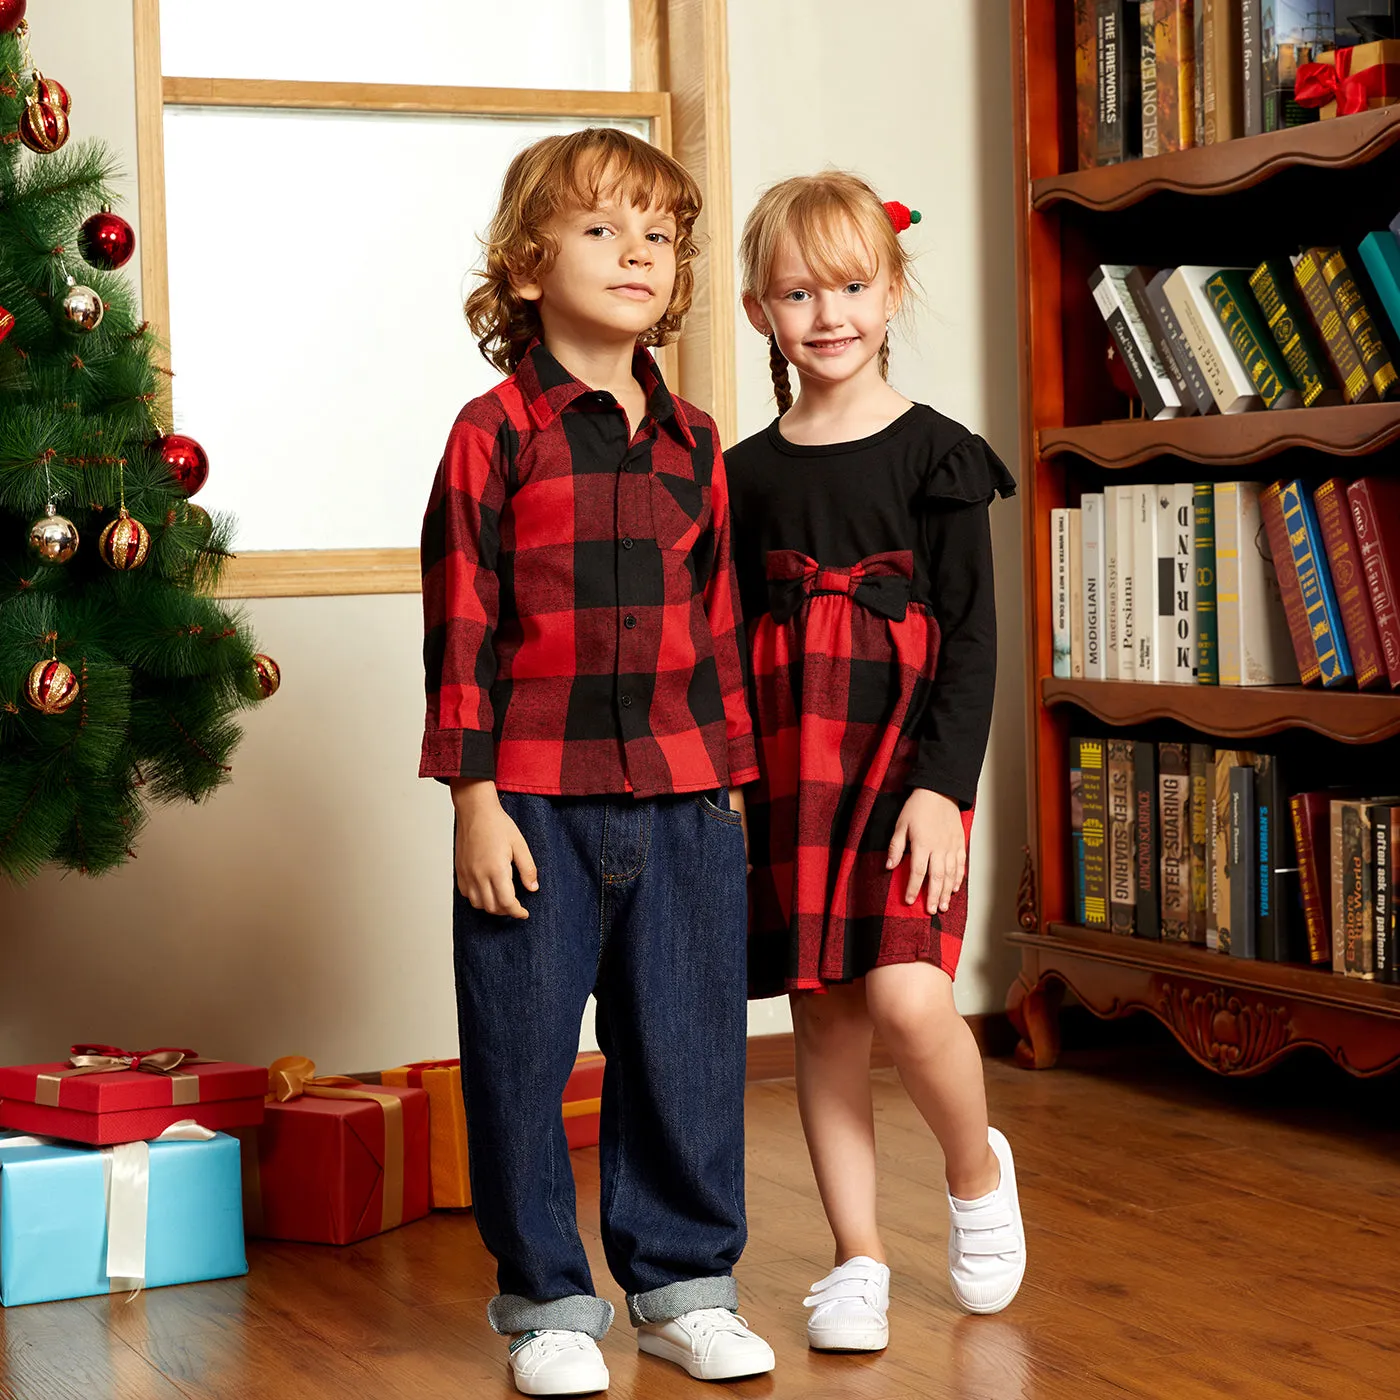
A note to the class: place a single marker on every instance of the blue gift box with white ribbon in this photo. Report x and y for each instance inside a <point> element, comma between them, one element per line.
<point>77,1221</point>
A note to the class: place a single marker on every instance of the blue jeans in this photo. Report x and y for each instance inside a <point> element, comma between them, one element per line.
<point>643,904</point>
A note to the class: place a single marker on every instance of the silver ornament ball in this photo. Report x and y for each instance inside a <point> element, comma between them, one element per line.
<point>83,307</point>
<point>54,538</point>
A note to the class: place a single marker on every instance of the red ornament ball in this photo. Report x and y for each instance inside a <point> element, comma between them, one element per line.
<point>106,240</point>
<point>51,687</point>
<point>7,322</point>
<point>53,92</point>
<point>124,543</point>
<point>268,673</point>
<point>11,12</point>
<point>187,460</point>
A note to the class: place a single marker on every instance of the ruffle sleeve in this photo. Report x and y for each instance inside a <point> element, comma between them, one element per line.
<point>968,474</point>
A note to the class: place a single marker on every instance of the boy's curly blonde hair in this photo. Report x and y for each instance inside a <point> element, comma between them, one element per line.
<point>559,175</point>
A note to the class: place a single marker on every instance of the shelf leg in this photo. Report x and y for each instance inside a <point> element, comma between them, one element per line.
<point>1034,1009</point>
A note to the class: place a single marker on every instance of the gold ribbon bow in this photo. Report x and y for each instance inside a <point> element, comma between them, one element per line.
<point>293,1076</point>
<point>108,1059</point>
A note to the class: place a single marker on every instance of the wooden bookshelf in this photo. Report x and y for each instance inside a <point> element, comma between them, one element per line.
<point>1330,181</point>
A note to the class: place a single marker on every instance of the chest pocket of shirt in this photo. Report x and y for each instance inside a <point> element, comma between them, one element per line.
<point>680,511</point>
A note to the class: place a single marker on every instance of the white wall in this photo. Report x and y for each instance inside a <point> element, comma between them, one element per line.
<point>306,908</point>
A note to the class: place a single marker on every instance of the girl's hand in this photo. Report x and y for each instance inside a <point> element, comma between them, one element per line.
<point>737,803</point>
<point>930,826</point>
<point>488,844</point>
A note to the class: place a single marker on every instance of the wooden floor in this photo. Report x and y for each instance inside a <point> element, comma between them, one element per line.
<point>1189,1238</point>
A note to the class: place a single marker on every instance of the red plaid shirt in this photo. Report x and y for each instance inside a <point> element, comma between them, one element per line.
<point>579,601</point>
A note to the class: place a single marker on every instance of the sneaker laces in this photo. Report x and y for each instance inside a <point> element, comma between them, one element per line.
<point>705,1321</point>
<point>550,1341</point>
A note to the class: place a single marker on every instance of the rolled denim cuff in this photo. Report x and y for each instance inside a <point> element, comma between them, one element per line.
<point>662,1304</point>
<point>508,1313</point>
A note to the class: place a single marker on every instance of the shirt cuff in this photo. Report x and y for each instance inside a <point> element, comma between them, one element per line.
<point>457,753</point>
<point>743,761</point>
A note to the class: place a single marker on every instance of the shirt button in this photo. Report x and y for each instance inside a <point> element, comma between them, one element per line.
<point>626,702</point>
<point>629,621</point>
<point>627,542</point>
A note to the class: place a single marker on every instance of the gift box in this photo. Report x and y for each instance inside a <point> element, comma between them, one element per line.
<point>1345,81</point>
<point>76,1221</point>
<point>101,1095</point>
<point>335,1160</point>
<point>583,1099</point>
<point>441,1080</point>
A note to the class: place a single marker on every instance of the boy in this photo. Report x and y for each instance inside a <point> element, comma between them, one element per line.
<point>586,706</point>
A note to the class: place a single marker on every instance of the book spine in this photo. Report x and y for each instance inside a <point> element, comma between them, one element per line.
<point>1349,581</point>
<point>1198,391</point>
<point>1229,90</point>
<point>1353,891</point>
<point>1110,609</point>
<point>1274,290</point>
<point>1148,922</point>
<point>1392,878</point>
<point>1184,581</point>
<point>1380,870</point>
<point>1337,861</point>
<point>1244,898</point>
<point>1174,787</point>
<point>1253,345</point>
<point>1315,585</point>
<point>1076,593</point>
<point>1198,84</point>
<point>1264,641</point>
<point>1091,503</point>
<point>1091,764</point>
<point>1122,868</point>
<point>1078,871</point>
<point>1305,648</point>
<point>1250,56</point>
<point>1314,908</point>
<point>1227,583</point>
<point>1269,852</point>
<point>1122,505</point>
<point>1366,953</point>
<point>1176,65</point>
<point>1203,349</point>
<point>1237,393</point>
<point>1086,81</point>
<point>1209,61</point>
<point>1201,802</point>
<point>1380,254</point>
<point>1225,759</point>
<point>1109,283</point>
<point>1112,129</point>
<point>1380,577</point>
<point>1357,319</point>
<point>1145,581</point>
<point>1327,321</point>
<point>1166,582</point>
<point>1147,68</point>
<point>1059,591</point>
<point>1136,284</point>
<point>1207,660</point>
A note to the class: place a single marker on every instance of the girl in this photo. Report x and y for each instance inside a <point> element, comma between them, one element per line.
<point>864,555</point>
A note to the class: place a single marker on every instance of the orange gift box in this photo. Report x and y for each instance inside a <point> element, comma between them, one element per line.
<point>1343,82</point>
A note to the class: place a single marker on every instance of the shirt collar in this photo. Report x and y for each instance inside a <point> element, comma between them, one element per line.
<point>548,389</point>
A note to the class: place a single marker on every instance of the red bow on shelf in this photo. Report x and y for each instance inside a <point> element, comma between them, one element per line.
<point>162,1060</point>
<point>1321,83</point>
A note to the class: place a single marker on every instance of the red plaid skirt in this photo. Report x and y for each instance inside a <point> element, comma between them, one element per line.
<point>842,667</point>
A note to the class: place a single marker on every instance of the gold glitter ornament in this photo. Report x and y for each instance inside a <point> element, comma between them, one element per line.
<point>51,687</point>
<point>124,542</point>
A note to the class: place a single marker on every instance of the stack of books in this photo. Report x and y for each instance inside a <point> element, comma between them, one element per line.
<point>1192,844</point>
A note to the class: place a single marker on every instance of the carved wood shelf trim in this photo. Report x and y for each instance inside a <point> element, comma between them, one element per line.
<point>1234,440</point>
<point>1251,711</point>
<point>1225,168</point>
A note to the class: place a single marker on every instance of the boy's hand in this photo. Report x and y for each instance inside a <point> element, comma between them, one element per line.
<point>488,844</point>
<point>930,825</point>
<point>738,804</point>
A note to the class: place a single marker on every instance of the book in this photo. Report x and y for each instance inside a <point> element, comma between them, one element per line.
<point>1273,857</point>
<point>1108,283</point>
<point>1136,283</point>
<point>1086,81</point>
<point>1095,666</point>
<point>1198,391</point>
<point>1109,609</point>
<point>1225,760</point>
<point>1375,515</point>
<point>1184,583</point>
<point>1309,603</point>
<point>1078,872</point>
<point>1198,117</point>
<point>1378,818</point>
<point>1251,339</point>
<point>1119,110</point>
<point>1166,591</point>
<point>1380,255</point>
<point>1349,582</point>
<point>1287,319</point>
<point>1119,500</point>
<point>1147,82</point>
<point>1174,835</point>
<point>1076,593</point>
<point>1200,756</point>
<point>1244,880</point>
<point>1223,104</point>
<point>1336,862</point>
<point>1254,647</point>
<point>1174,47</point>
<point>1252,83</point>
<point>1354,894</point>
<point>1144,508</point>
<point>1327,321</point>
<point>1203,516</point>
<point>1356,316</point>
<point>1122,827</point>
<point>1059,591</point>
<point>1232,387</point>
<point>1095,828</point>
<point>1310,812</point>
<point>1148,918</point>
<point>1291,32</point>
<point>1392,874</point>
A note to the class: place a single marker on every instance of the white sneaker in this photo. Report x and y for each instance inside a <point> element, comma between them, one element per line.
<point>713,1344</point>
<point>987,1240</point>
<point>849,1308</point>
<point>554,1362</point>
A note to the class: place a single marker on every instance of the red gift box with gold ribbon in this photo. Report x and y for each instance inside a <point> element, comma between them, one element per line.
<point>103,1095</point>
<point>583,1100</point>
<point>335,1160</point>
<point>1345,81</point>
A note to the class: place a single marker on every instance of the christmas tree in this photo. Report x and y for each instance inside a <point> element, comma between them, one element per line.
<point>120,675</point>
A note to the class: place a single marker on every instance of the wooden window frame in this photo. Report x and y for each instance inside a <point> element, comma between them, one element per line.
<point>680,83</point>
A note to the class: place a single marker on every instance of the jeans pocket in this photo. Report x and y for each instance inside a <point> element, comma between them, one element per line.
<point>716,805</point>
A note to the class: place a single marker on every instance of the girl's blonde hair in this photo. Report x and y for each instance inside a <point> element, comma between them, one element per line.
<point>841,231</point>
<point>559,175</point>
